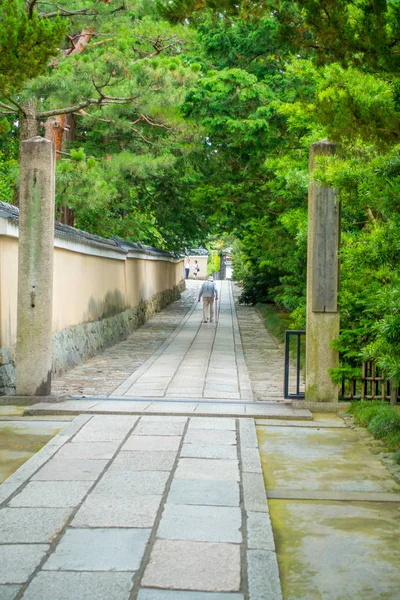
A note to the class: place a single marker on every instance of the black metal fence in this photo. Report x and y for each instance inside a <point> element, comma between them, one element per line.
<point>294,360</point>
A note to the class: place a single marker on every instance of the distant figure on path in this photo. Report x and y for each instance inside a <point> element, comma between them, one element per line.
<point>187,268</point>
<point>195,269</point>
<point>208,292</point>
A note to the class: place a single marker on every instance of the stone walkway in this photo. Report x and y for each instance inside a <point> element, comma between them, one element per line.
<point>153,508</point>
<point>194,368</point>
<point>126,504</point>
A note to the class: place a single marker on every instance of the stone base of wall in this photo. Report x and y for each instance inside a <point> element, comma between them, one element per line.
<point>74,345</point>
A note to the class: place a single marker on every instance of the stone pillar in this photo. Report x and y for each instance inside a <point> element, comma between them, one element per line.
<point>35,268</point>
<point>322,284</point>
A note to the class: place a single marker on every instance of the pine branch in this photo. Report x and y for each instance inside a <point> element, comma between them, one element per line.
<point>9,108</point>
<point>102,101</point>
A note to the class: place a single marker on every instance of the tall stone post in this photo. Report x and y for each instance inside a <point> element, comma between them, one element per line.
<point>35,268</point>
<point>322,284</point>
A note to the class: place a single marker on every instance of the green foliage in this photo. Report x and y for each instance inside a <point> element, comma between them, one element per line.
<point>27,43</point>
<point>214,262</point>
<point>381,419</point>
<point>276,321</point>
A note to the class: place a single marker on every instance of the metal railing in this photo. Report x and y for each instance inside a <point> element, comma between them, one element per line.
<point>293,363</point>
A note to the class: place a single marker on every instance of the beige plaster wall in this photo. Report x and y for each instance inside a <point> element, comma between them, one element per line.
<point>145,278</point>
<point>8,290</point>
<point>202,260</point>
<point>86,288</point>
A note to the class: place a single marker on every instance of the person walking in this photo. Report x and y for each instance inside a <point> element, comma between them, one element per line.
<point>187,268</point>
<point>195,269</point>
<point>208,292</point>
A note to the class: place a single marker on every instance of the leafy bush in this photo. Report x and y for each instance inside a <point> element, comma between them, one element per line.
<point>382,420</point>
<point>385,423</point>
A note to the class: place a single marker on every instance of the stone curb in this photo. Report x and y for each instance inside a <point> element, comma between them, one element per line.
<point>29,400</point>
<point>25,471</point>
<point>321,407</point>
<point>262,563</point>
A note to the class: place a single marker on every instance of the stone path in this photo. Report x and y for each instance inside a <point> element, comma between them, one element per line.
<point>147,508</point>
<point>195,368</point>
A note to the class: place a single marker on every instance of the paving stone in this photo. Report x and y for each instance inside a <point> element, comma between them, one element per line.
<point>79,586</point>
<point>9,592</point>
<point>148,594</point>
<point>106,428</point>
<point>31,525</point>
<point>208,451</point>
<point>160,428</point>
<point>161,419</point>
<point>179,407</point>
<point>208,493</point>
<point>203,436</point>
<point>91,450</point>
<point>254,493</point>
<point>251,462</point>
<point>259,532</point>
<point>52,493</point>
<point>108,511</point>
<point>130,484</point>
<point>199,566</point>
<point>213,423</point>
<point>263,575</point>
<point>199,468</point>
<point>248,436</point>
<point>142,460</point>
<point>99,550</point>
<point>156,443</point>
<point>200,523</point>
<point>64,469</point>
<point>18,562</point>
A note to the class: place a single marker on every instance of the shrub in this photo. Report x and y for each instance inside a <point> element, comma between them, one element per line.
<point>385,423</point>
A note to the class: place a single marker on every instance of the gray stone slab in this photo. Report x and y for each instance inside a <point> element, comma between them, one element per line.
<point>148,594</point>
<point>263,575</point>
<point>259,532</point>
<point>200,523</point>
<point>99,550</point>
<point>91,450</point>
<point>181,407</point>
<point>160,428</point>
<point>18,562</point>
<point>64,469</point>
<point>203,436</point>
<point>212,423</point>
<point>130,484</point>
<point>248,436</point>
<point>31,525</point>
<point>207,493</point>
<point>144,460</point>
<point>106,511</point>
<point>199,566</point>
<point>157,443</point>
<point>106,428</point>
<point>209,451</point>
<point>52,494</point>
<point>202,468</point>
<point>251,462</point>
<point>255,499</point>
<point>80,586</point>
<point>9,592</point>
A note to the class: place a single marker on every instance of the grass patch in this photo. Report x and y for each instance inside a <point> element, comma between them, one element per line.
<point>381,420</point>
<point>276,321</point>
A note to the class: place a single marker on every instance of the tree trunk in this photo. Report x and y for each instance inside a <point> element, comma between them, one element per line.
<point>29,121</point>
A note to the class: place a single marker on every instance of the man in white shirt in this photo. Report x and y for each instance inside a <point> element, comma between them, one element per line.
<point>208,292</point>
